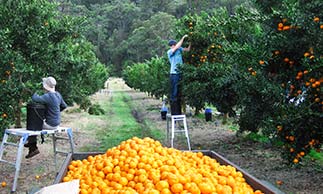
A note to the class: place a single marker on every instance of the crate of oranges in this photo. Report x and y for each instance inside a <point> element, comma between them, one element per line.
<point>144,166</point>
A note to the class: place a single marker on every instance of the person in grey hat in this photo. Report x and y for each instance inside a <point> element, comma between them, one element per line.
<point>175,59</point>
<point>55,104</point>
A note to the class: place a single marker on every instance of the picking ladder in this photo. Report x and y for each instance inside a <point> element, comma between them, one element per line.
<point>176,128</point>
<point>23,133</point>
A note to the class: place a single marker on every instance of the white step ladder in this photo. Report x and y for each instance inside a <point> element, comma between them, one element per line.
<point>23,133</point>
<point>175,128</point>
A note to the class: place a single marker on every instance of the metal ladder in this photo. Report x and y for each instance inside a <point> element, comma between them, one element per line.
<point>175,128</point>
<point>23,133</point>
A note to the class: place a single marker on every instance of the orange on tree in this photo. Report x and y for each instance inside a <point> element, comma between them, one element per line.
<point>3,183</point>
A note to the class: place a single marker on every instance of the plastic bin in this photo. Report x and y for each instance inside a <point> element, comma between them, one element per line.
<point>35,116</point>
<point>208,114</point>
<point>163,112</point>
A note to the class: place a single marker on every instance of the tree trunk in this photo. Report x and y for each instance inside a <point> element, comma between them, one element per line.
<point>225,118</point>
<point>17,112</point>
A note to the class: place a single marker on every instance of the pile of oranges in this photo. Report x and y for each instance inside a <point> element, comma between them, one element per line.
<point>145,166</point>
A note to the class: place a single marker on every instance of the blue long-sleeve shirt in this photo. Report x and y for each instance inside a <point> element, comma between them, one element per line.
<point>54,103</point>
<point>175,59</point>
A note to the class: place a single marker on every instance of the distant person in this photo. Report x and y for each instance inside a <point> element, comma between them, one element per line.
<point>54,105</point>
<point>175,59</point>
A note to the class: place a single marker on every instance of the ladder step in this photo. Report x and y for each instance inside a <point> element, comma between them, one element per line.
<point>12,144</point>
<point>8,162</point>
<point>63,138</point>
<point>179,131</point>
<point>61,152</point>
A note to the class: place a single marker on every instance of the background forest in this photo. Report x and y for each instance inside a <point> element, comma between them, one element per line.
<point>130,31</point>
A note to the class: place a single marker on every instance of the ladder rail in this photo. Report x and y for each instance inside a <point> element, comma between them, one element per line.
<point>8,162</point>
<point>174,120</point>
<point>71,142</point>
<point>4,140</point>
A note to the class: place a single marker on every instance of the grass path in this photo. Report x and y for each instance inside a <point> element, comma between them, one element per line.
<point>120,121</point>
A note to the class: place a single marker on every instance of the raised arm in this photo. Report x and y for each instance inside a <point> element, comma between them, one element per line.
<point>179,44</point>
<point>188,48</point>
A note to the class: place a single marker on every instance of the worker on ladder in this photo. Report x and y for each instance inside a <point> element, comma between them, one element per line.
<point>54,105</point>
<point>175,59</point>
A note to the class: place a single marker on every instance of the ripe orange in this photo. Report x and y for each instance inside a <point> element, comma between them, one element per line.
<point>84,191</point>
<point>3,184</point>
<point>162,185</point>
<point>142,178</point>
<point>123,181</point>
<point>194,189</point>
<point>96,191</point>
<point>314,85</point>
<point>317,99</point>
<point>317,83</point>
<point>307,54</point>
<point>205,188</point>
<point>286,59</point>
<point>286,27</point>
<point>165,191</point>
<point>177,188</point>
<point>66,179</point>
<point>279,182</point>
<point>172,179</point>
<point>295,160</point>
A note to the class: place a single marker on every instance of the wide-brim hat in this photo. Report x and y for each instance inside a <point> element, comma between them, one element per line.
<point>49,84</point>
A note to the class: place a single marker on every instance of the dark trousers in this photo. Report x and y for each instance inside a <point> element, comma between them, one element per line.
<point>174,86</point>
<point>32,141</point>
<point>175,107</point>
<point>175,97</point>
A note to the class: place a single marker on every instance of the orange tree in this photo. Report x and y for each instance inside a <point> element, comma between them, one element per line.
<point>219,67</point>
<point>150,77</point>
<point>6,109</point>
<point>294,35</point>
<point>259,54</point>
<point>38,41</point>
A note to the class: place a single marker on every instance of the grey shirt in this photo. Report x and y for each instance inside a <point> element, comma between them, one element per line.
<point>54,103</point>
